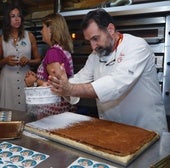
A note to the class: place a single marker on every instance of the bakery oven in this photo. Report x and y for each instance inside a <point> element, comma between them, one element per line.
<point>156,31</point>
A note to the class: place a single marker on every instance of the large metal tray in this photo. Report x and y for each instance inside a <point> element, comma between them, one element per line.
<point>42,126</point>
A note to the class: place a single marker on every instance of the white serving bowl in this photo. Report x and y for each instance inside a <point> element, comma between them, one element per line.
<point>40,95</point>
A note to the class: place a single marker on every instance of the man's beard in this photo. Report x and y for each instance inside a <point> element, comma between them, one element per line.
<point>105,50</point>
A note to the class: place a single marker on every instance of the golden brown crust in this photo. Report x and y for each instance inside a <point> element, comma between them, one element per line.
<point>10,130</point>
<point>110,137</point>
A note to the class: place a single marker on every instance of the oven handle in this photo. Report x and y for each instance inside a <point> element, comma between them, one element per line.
<point>155,40</point>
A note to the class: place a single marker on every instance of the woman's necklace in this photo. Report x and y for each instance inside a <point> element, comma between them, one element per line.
<point>14,36</point>
<point>15,40</point>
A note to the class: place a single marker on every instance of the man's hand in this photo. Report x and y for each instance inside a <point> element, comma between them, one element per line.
<point>59,82</point>
<point>62,87</point>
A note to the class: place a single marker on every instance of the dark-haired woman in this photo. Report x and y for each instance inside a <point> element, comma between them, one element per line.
<point>18,51</point>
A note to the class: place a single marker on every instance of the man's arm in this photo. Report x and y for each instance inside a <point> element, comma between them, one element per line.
<point>62,87</point>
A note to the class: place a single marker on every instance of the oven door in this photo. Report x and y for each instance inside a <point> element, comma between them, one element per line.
<point>153,35</point>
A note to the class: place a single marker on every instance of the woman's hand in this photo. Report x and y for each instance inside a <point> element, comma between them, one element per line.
<point>23,61</point>
<point>30,73</point>
<point>11,60</point>
<point>30,78</point>
<point>45,84</point>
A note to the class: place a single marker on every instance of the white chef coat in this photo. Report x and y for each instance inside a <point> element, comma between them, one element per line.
<point>126,84</point>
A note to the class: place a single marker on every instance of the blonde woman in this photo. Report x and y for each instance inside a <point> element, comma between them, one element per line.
<point>56,34</point>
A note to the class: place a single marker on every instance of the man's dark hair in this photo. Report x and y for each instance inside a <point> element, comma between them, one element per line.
<point>100,16</point>
<point>7,22</point>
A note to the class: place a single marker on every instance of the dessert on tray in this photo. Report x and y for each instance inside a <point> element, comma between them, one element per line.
<point>112,141</point>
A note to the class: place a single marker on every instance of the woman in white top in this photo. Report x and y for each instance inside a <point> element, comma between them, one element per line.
<point>18,51</point>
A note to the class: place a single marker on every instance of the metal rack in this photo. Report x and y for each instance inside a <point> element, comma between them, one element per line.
<point>134,9</point>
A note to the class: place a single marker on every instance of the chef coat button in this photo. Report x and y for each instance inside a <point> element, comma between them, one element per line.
<point>18,87</point>
<point>19,103</point>
<point>18,80</point>
<point>18,95</point>
<point>17,72</point>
